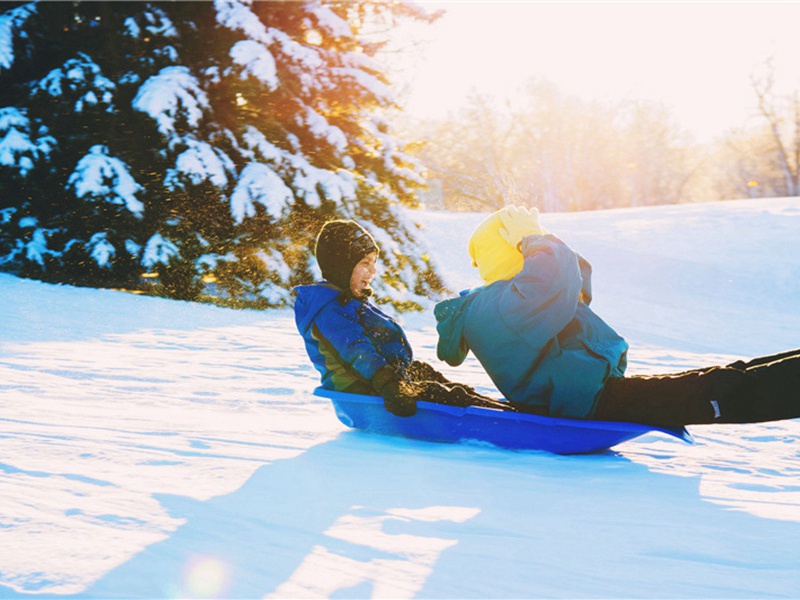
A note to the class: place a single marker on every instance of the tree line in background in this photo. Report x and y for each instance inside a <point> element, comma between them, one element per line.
<point>201,144</point>
<point>561,153</point>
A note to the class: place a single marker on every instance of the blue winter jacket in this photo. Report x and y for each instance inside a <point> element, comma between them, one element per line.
<point>534,334</point>
<point>347,339</point>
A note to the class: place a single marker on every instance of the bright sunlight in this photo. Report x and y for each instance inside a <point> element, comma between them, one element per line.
<point>694,58</point>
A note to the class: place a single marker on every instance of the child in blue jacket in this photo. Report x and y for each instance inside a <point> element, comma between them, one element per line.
<point>355,346</point>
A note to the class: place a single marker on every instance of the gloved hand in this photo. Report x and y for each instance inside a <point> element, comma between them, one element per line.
<point>518,223</point>
<point>422,371</point>
<point>459,394</point>
<point>398,395</point>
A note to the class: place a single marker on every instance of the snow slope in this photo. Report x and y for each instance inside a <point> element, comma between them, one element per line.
<point>153,448</point>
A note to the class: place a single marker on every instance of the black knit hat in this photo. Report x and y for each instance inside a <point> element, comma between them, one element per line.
<point>340,246</point>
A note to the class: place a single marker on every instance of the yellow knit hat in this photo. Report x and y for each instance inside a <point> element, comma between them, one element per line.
<point>490,248</point>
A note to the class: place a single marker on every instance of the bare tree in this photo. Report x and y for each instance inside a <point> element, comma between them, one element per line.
<point>782,116</point>
<point>555,152</point>
<point>471,156</point>
<point>659,164</point>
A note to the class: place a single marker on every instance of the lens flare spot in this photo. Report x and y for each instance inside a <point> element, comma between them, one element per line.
<point>206,577</point>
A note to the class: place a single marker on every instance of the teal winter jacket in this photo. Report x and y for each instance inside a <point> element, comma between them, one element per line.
<point>535,334</point>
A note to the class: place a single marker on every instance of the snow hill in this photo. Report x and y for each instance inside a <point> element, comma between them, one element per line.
<point>155,449</point>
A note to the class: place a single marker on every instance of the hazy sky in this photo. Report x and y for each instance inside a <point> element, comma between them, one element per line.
<point>696,58</point>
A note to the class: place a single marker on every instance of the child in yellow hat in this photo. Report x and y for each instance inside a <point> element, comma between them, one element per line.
<point>531,328</point>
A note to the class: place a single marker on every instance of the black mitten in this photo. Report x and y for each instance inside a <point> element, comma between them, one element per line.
<point>398,397</point>
<point>475,399</point>
<point>464,395</point>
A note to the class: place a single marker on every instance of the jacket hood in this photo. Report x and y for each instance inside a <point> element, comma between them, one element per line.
<point>450,315</point>
<point>310,300</point>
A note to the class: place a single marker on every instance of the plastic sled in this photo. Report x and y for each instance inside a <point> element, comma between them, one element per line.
<point>506,429</point>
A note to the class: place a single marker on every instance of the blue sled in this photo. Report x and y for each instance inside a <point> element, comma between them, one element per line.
<point>506,429</point>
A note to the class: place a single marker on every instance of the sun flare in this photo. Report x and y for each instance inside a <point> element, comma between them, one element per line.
<point>676,54</point>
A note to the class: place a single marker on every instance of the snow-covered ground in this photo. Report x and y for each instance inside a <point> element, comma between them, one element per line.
<point>153,448</point>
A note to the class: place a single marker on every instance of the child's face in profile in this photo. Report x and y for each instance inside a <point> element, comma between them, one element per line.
<point>363,273</point>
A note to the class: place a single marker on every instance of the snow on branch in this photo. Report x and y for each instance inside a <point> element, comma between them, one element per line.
<point>309,181</point>
<point>156,23</point>
<point>329,22</point>
<point>321,129</point>
<point>103,177</point>
<point>308,59</point>
<point>80,76</point>
<point>369,83</point>
<point>200,162</point>
<point>256,61</point>
<point>237,16</point>
<point>6,214</point>
<point>101,250</point>
<point>256,142</point>
<point>10,23</point>
<point>361,61</point>
<point>258,184</point>
<point>35,248</point>
<point>306,179</point>
<point>158,250</point>
<point>172,93</point>
<point>17,150</point>
<point>274,261</point>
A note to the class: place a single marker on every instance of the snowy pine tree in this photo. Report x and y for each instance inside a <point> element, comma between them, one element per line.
<point>201,142</point>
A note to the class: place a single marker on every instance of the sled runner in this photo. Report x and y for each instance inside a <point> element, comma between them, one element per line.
<point>506,429</point>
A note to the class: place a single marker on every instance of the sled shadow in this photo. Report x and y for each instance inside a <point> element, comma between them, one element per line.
<point>364,516</point>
